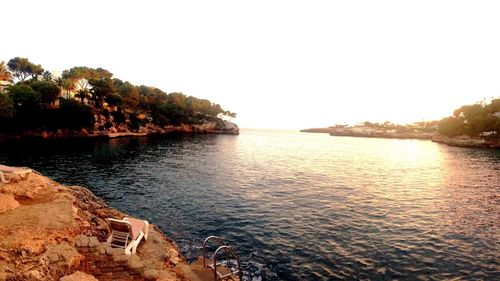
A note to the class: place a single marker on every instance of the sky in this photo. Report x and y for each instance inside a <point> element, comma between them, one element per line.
<point>277,64</point>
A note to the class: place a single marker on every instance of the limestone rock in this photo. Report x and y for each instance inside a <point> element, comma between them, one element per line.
<point>135,265</point>
<point>135,257</point>
<point>93,242</point>
<point>230,128</point>
<point>7,203</point>
<point>64,255</point>
<point>173,256</point>
<point>82,241</point>
<point>53,258</point>
<point>103,248</point>
<point>151,274</point>
<point>44,260</point>
<point>49,241</point>
<point>78,276</point>
<point>120,258</point>
<point>34,275</point>
<point>167,276</point>
<point>115,251</point>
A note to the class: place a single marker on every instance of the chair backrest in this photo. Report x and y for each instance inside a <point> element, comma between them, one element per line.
<point>4,178</point>
<point>121,231</point>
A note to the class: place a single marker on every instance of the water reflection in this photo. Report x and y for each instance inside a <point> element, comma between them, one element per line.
<point>300,206</point>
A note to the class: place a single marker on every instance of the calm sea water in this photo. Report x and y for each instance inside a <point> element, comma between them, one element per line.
<point>299,206</point>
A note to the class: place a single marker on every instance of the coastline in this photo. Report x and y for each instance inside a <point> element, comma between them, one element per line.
<point>459,141</point>
<point>383,135</point>
<point>48,231</point>
<point>466,141</point>
<point>342,132</point>
<point>223,127</point>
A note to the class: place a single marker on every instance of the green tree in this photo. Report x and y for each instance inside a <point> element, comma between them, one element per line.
<point>49,91</point>
<point>6,107</point>
<point>81,75</point>
<point>47,76</point>
<point>229,114</point>
<point>130,95</point>
<point>22,68</point>
<point>472,120</point>
<point>76,115</point>
<point>153,96</point>
<point>24,97</point>
<point>494,106</point>
<point>26,102</point>
<point>82,94</point>
<point>114,99</point>
<point>101,90</point>
<point>65,84</point>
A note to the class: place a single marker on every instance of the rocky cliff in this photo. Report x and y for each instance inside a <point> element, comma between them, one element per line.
<point>466,141</point>
<point>209,127</point>
<point>53,232</point>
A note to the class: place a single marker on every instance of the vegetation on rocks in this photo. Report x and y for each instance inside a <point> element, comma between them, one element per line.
<point>32,99</point>
<point>478,120</point>
<point>417,130</point>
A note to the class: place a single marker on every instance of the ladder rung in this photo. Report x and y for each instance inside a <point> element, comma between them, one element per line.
<point>212,265</point>
<point>223,276</point>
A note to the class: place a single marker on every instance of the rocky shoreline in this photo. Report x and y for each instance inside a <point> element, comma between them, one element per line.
<point>210,127</point>
<point>466,141</point>
<point>53,232</point>
<point>384,135</point>
<point>459,141</point>
<point>350,133</point>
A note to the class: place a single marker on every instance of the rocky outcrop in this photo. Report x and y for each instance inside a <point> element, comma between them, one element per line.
<point>209,127</point>
<point>52,232</point>
<point>418,136</point>
<point>351,132</point>
<point>466,141</point>
<point>78,276</point>
<point>318,130</point>
<point>7,203</point>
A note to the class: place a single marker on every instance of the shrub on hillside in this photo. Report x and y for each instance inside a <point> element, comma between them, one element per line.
<point>6,107</point>
<point>76,115</point>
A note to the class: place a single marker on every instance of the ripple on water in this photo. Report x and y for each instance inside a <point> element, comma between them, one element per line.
<point>300,206</point>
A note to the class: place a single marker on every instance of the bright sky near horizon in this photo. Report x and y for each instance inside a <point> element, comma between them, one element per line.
<point>277,64</point>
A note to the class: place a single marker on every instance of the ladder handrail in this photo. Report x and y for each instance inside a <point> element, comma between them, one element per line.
<point>229,252</point>
<point>217,239</point>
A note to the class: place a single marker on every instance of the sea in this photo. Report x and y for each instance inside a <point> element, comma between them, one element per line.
<point>298,206</point>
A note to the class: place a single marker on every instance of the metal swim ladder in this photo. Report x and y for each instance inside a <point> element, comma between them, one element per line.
<point>222,271</point>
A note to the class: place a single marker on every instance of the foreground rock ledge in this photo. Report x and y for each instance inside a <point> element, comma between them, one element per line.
<point>53,232</point>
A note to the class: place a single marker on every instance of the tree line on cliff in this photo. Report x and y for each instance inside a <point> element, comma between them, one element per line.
<point>476,120</point>
<point>31,98</point>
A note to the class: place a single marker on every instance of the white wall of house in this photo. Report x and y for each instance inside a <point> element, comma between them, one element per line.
<point>3,85</point>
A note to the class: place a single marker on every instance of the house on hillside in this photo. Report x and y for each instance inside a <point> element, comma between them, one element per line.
<point>3,85</point>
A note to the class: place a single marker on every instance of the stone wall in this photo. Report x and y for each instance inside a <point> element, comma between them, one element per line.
<point>106,263</point>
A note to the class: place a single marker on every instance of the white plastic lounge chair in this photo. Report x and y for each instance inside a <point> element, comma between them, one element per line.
<point>7,173</point>
<point>4,178</point>
<point>127,233</point>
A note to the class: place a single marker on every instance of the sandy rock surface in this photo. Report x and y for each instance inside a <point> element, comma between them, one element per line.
<point>7,203</point>
<point>78,276</point>
<point>44,226</point>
